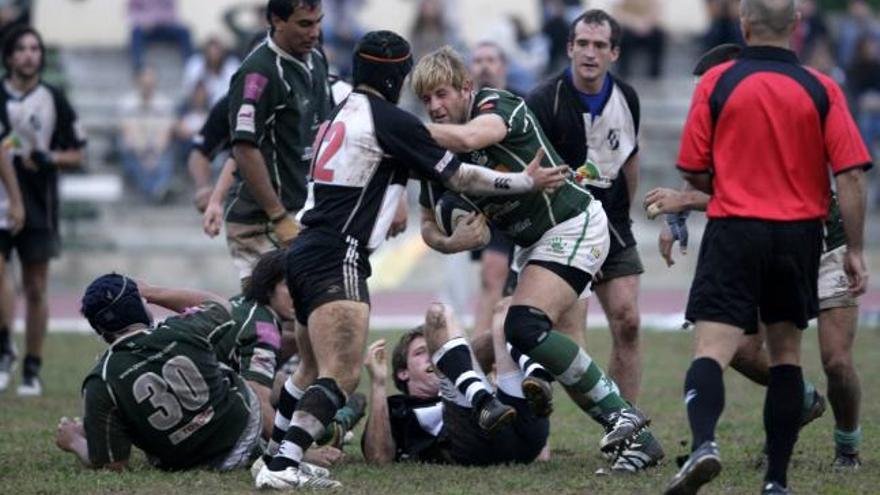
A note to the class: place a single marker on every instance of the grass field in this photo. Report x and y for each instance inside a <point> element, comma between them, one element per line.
<point>30,462</point>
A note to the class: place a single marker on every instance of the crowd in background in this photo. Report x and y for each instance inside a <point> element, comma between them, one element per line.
<point>155,130</point>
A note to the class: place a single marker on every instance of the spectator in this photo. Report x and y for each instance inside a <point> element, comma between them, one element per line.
<point>858,22</point>
<point>811,30</point>
<point>864,83</point>
<point>341,32</point>
<point>213,68</point>
<point>821,58</point>
<point>527,52</point>
<point>431,29</point>
<point>155,20</point>
<point>249,25</point>
<point>12,13</point>
<point>146,122</point>
<point>723,24</point>
<point>641,33</point>
<point>555,30</point>
<point>191,116</point>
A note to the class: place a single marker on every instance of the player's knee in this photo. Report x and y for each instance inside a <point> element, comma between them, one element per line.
<point>35,294</point>
<point>837,366</point>
<point>322,399</point>
<point>525,327</point>
<point>626,325</point>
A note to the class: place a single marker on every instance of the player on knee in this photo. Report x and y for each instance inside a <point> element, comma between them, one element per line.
<point>363,157</point>
<point>433,419</point>
<point>159,388</point>
<point>562,239</point>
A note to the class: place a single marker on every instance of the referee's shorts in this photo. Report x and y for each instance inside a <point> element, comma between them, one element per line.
<point>750,269</point>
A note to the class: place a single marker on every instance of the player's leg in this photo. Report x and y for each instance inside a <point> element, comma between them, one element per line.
<point>620,301</point>
<point>7,305</point>
<point>35,282</point>
<point>494,264</point>
<point>294,388</point>
<point>782,407</point>
<point>452,356</point>
<point>837,329</point>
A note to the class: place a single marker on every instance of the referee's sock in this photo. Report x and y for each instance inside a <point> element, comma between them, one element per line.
<point>453,359</point>
<point>704,399</point>
<point>287,400</point>
<point>313,413</point>
<point>782,413</point>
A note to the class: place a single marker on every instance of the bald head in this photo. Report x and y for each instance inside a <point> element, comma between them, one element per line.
<point>768,19</point>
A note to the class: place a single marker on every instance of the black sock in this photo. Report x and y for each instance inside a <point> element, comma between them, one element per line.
<point>529,366</point>
<point>313,413</point>
<point>31,366</point>
<point>782,414</point>
<point>454,361</point>
<point>704,399</point>
<point>288,399</point>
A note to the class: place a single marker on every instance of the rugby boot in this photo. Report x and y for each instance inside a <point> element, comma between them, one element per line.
<point>539,395</point>
<point>638,454</point>
<point>624,425</point>
<point>492,415</point>
<point>701,467</point>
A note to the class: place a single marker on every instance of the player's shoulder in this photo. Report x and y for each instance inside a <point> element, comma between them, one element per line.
<point>261,59</point>
<point>628,91</point>
<point>832,87</point>
<point>713,75</point>
<point>488,98</point>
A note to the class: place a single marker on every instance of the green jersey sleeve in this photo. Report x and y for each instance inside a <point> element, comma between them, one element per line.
<point>509,107</point>
<point>105,431</point>
<point>258,346</point>
<point>203,320</point>
<point>253,95</point>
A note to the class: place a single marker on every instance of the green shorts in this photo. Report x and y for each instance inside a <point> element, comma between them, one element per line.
<point>621,264</point>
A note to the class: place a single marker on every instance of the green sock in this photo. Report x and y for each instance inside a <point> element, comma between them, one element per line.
<point>809,391</point>
<point>576,371</point>
<point>847,442</point>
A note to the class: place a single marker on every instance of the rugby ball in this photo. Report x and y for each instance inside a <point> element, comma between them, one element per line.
<point>449,210</point>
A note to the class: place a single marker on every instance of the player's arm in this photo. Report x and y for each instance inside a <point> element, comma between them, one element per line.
<point>199,167</point>
<point>178,300</point>
<point>665,200</point>
<point>267,412</point>
<point>378,443</point>
<point>68,141</point>
<point>16,212</point>
<point>251,101</point>
<point>481,181</point>
<point>213,136</point>
<point>101,436</point>
<point>480,132</point>
<point>212,219</point>
<point>470,233</point>
<point>851,198</point>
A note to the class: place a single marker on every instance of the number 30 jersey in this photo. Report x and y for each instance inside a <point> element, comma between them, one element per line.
<point>365,154</point>
<point>164,391</point>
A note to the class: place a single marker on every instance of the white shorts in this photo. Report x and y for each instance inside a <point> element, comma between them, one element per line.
<point>581,242</point>
<point>248,446</point>
<point>833,284</point>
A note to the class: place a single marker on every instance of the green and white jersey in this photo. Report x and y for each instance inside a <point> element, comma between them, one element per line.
<point>277,102</point>
<point>251,344</point>
<point>524,217</point>
<point>835,236</point>
<point>164,391</point>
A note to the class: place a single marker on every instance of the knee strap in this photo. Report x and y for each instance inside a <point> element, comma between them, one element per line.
<point>525,327</point>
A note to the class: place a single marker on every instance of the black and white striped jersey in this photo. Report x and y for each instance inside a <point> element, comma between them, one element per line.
<point>366,152</point>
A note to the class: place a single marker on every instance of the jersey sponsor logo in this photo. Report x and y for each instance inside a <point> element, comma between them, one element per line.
<point>245,121</point>
<point>557,245</point>
<point>441,165</point>
<point>613,139</point>
<point>487,106</point>
<point>268,333</point>
<point>254,85</point>
<point>193,426</point>
<point>263,363</point>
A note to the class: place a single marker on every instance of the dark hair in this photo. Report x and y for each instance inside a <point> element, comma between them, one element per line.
<point>13,37</point>
<point>283,9</point>
<point>598,16</point>
<point>268,271</point>
<point>501,54</point>
<point>398,355</point>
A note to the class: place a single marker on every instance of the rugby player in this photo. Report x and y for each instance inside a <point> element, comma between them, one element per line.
<point>562,239</point>
<point>159,388</point>
<point>365,154</point>
<point>432,420</point>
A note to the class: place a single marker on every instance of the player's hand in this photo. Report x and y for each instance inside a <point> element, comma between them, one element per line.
<point>212,219</point>
<point>16,216</point>
<point>665,243</point>
<point>377,362</point>
<point>856,272</point>
<point>547,179</point>
<point>470,233</point>
<point>201,198</point>
<point>325,456</point>
<point>675,229</point>
<point>663,200</point>
<point>67,432</point>
<point>401,215</point>
<point>286,229</point>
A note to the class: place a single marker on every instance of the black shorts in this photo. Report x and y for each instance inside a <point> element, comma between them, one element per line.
<point>749,267</point>
<point>498,242</point>
<point>520,442</point>
<point>322,267</point>
<point>32,245</point>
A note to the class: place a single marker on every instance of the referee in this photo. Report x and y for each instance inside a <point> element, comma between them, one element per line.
<point>761,136</point>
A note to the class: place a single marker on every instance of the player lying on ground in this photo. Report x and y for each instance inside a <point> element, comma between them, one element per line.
<point>250,343</point>
<point>838,309</point>
<point>363,157</point>
<point>561,237</point>
<point>433,420</point>
<point>160,388</point>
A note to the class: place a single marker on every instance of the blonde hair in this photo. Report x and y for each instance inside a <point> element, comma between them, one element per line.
<point>442,66</point>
